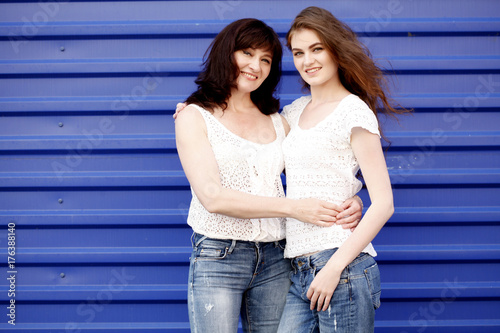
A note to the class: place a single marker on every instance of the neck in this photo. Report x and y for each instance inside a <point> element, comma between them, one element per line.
<point>330,91</point>
<point>239,101</point>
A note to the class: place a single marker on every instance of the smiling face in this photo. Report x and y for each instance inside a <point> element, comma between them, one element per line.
<point>314,63</point>
<point>254,66</point>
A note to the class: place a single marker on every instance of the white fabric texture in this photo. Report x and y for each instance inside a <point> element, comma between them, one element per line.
<point>320,163</point>
<point>244,166</point>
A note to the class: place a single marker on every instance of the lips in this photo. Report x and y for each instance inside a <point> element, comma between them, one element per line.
<point>250,76</point>
<point>312,70</point>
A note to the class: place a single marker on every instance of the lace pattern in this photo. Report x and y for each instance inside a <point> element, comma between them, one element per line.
<point>244,166</point>
<point>320,163</point>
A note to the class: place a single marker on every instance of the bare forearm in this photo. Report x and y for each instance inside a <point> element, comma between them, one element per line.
<point>373,221</point>
<point>243,205</point>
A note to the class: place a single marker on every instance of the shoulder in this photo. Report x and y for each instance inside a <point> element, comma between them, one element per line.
<point>357,105</point>
<point>355,102</point>
<point>297,105</point>
<point>191,116</point>
<point>301,101</point>
<point>354,106</point>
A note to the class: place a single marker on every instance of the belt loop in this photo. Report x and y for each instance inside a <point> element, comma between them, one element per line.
<point>293,266</point>
<point>203,237</point>
<point>192,239</point>
<point>231,248</point>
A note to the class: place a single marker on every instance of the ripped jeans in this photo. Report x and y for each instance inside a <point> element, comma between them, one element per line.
<point>229,278</point>
<point>353,304</point>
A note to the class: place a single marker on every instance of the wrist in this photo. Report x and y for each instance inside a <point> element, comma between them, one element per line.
<point>359,200</point>
<point>291,210</point>
<point>334,267</point>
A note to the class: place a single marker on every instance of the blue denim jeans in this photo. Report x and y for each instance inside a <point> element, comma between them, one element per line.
<point>353,304</point>
<point>229,278</point>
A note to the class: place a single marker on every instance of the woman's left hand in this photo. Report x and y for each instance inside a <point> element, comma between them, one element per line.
<point>351,215</point>
<point>178,108</point>
<point>321,289</point>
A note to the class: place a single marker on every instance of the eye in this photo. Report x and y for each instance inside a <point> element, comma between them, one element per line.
<point>267,61</point>
<point>298,53</point>
<point>317,49</point>
<point>245,52</point>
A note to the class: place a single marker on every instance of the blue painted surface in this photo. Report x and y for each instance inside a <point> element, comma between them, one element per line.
<point>90,176</point>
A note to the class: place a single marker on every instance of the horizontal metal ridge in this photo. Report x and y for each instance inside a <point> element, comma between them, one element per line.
<point>181,254</point>
<point>171,292</point>
<point>167,141</point>
<point>98,327</point>
<point>176,66</point>
<point>119,142</point>
<point>126,218</point>
<point>93,179</point>
<point>178,292</point>
<point>438,252</point>
<point>116,104</point>
<point>439,326</point>
<point>172,27</point>
<point>453,288</point>
<point>67,178</point>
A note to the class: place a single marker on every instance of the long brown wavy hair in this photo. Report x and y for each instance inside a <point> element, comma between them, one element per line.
<point>358,72</point>
<point>220,72</point>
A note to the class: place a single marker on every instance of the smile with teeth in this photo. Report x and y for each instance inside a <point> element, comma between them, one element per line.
<point>250,76</point>
<point>313,70</point>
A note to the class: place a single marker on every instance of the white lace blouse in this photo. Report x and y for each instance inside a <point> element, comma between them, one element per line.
<point>320,163</point>
<point>244,166</point>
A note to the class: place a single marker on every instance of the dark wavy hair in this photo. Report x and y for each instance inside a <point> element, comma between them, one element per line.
<point>220,71</point>
<point>358,72</point>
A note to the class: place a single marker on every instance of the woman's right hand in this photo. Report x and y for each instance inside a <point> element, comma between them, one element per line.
<point>179,107</point>
<point>315,211</point>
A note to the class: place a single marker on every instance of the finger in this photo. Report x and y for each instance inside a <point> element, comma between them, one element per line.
<point>349,216</point>
<point>347,219</point>
<point>327,218</point>
<point>347,212</point>
<point>346,204</point>
<point>321,300</point>
<point>325,224</point>
<point>313,301</point>
<point>351,226</point>
<point>326,304</point>
<point>332,206</point>
<point>309,293</point>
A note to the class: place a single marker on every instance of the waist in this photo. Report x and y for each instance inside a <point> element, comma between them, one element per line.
<point>197,238</point>
<point>319,259</point>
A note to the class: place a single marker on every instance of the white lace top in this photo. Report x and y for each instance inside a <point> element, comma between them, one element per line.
<point>244,166</point>
<point>320,163</point>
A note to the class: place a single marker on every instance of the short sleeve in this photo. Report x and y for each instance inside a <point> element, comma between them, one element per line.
<point>286,112</point>
<point>292,111</point>
<point>359,115</point>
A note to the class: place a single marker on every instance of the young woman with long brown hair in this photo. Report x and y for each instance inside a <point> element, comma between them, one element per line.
<point>334,133</point>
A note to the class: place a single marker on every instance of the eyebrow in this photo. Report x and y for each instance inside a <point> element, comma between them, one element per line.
<point>310,46</point>
<point>267,54</point>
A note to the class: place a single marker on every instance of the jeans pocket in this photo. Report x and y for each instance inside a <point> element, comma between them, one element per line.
<point>212,249</point>
<point>372,275</point>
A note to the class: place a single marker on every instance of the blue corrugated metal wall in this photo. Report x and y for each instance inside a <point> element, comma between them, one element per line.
<point>90,178</point>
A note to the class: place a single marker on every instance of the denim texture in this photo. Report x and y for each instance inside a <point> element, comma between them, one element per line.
<point>229,278</point>
<point>352,308</point>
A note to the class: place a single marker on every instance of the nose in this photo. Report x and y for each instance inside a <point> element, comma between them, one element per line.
<point>308,59</point>
<point>255,64</point>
